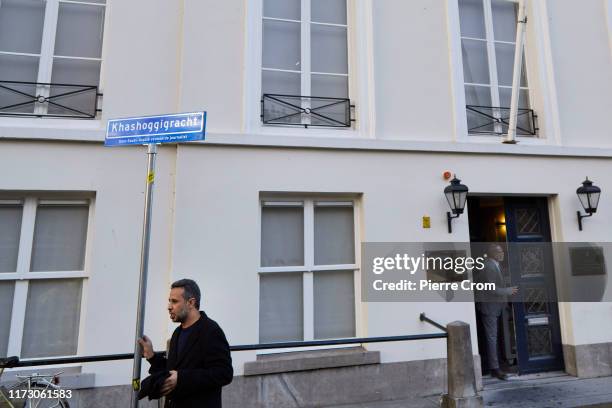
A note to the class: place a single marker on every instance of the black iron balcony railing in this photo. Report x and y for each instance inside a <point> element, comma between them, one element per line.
<point>495,120</point>
<point>296,110</point>
<point>36,99</point>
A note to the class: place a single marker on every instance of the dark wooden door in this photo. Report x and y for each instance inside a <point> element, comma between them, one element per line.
<point>530,263</point>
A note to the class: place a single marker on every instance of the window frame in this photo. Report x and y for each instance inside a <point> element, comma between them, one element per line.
<point>360,78</point>
<point>539,69</point>
<point>306,24</point>
<point>491,43</point>
<point>22,276</point>
<point>47,54</point>
<point>309,268</point>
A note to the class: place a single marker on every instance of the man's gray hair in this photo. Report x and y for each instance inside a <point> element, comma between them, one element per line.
<point>190,290</point>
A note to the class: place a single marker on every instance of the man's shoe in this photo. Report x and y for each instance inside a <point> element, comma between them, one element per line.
<point>498,374</point>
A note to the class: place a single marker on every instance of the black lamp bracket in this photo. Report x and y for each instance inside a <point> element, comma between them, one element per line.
<point>449,217</point>
<point>580,217</point>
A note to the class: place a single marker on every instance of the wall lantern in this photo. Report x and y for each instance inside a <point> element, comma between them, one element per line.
<point>588,194</point>
<point>456,194</point>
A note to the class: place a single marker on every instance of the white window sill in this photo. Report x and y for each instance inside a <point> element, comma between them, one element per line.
<point>301,131</point>
<point>52,129</point>
<point>94,131</point>
<point>495,139</point>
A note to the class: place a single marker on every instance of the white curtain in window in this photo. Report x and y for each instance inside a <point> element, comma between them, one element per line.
<point>504,20</point>
<point>475,62</point>
<point>282,236</point>
<point>79,30</point>
<point>471,19</point>
<point>478,96</point>
<point>51,324</point>
<point>79,34</point>
<point>7,289</point>
<point>281,307</point>
<point>328,11</point>
<point>334,235</point>
<point>281,47</point>
<point>10,231</point>
<point>59,238</point>
<point>286,9</point>
<point>328,49</point>
<point>334,304</point>
<point>74,72</point>
<point>21,25</point>
<point>504,53</point>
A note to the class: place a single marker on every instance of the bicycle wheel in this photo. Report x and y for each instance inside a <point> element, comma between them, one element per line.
<point>18,397</point>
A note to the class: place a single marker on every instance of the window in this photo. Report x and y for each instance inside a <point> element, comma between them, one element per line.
<point>42,258</point>
<point>305,55</point>
<point>50,41</point>
<point>307,271</point>
<point>488,34</point>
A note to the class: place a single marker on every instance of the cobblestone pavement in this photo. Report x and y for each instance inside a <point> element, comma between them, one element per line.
<point>547,390</point>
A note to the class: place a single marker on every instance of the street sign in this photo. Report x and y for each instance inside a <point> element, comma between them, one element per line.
<point>180,127</point>
<point>150,131</point>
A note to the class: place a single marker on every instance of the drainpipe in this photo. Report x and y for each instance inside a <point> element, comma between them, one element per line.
<point>516,78</point>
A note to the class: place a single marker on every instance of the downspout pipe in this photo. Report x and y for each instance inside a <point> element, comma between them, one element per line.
<point>516,78</point>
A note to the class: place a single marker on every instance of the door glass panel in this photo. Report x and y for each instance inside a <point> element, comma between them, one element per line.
<point>538,341</point>
<point>527,221</point>
<point>531,260</point>
<point>535,300</point>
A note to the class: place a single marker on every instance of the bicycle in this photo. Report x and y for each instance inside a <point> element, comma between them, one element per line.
<point>33,390</point>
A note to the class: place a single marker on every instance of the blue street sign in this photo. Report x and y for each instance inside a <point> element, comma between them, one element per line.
<point>180,127</point>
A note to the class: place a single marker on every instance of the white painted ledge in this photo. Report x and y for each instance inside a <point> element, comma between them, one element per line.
<point>94,131</point>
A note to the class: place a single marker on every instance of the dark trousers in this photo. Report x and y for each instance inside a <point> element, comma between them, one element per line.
<point>490,324</point>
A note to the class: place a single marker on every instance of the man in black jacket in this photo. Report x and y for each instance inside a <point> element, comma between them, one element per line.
<point>198,359</point>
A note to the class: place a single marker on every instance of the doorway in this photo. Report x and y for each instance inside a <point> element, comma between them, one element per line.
<point>529,338</point>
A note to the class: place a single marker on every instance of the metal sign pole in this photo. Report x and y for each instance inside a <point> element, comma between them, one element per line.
<point>144,268</point>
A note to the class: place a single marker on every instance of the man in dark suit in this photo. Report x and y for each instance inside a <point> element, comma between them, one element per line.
<point>492,303</point>
<point>198,359</point>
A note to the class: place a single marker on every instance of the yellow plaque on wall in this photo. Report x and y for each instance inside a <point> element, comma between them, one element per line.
<point>426,221</point>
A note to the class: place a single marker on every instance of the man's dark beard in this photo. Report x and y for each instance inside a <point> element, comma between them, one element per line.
<point>181,315</point>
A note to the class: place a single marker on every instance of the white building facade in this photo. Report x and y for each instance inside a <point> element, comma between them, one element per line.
<point>269,218</point>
